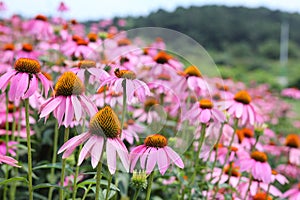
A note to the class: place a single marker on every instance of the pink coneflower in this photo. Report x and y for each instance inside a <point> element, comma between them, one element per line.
<point>293,193</point>
<point>262,196</point>
<point>104,130</point>
<point>62,7</point>
<point>289,170</point>
<point>86,69</point>
<point>204,111</point>
<point>278,177</point>
<point>27,51</point>
<point>11,148</point>
<point>231,174</point>
<point>192,78</point>
<point>247,139</point>
<point>292,144</point>
<point>155,150</point>
<point>69,180</point>
<point>257,164</point>
<point>8,160</point>
<point>147,113</point>
<point>69,101</point>
<point>130,130</point>
<point>105,96</point>
<point>241,107</point>
<point>291,92</point>
<point>8,53</point>
<point>24,79</point>
<point>133,85</point>
<point>40,27</point>
<point>78,47</point>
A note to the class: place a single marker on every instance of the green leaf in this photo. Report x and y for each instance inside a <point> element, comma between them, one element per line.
<point>14,179</point>
<point>93,182</point>
<point>47,185</point>
<point>110,194</point>
<point>55,165</point>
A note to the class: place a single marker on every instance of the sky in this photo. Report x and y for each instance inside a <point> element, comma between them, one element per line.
<point>102,9</point>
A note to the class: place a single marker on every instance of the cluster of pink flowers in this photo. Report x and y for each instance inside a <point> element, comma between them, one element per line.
<point>95,77</point>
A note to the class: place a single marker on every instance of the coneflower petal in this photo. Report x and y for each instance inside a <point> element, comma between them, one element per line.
<point>86,149</point>
<point>122,152</point>
<point>96,151</point>
<point>151,161</point>
<point>32,87</point>
<point>4,79</point>
<point>174,157</point>
<point>61,110</point>
<point>69,112</point>
<point>13,87</point>
<point>77,107</point>
<point>111,157</point>
<point>162,161</point>
<point>50,107</point>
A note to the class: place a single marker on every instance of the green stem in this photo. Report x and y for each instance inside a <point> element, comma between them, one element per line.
<point>30,189</point>
<point>6,145</point>
<point>149,188</point>
<point>108,186</point>
<point>98,180</point>
<point>13,187</point>
<point>54,154</point>
<point>77,167</point>
<point>248,189</point>
<point>62,177</point>
<point>136,194</point>
<point>216,151</point>
<point>124,104</point>
<point>268,191</point>
<point>201,141</point>
<point>227,156</point>
<point>87,191</point>
<point>16,171</point>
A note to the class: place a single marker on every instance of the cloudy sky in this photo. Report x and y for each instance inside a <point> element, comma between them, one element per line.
<point>95,9</point>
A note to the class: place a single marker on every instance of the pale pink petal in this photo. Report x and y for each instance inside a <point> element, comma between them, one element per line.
<point>135,155</point>
<point>205,116</point>
<point>33,85</point>
<point>239,110</point>
<point>92,109</point>
<point>97,151</point>
<point>4,79</point>
<point>151,161</point>
<point>74,141</point>
<point>174,157</point>
<point>162,161</point>
<point>122,152</point>
<point>45,83</point>
<point>77,107</point>
<point>22,86</point>
<point>144,157</point>
<point>111,153</point>
<point>51,105</point>
<point>86,149</point>
<point>69,115</point>
<point>61,110</point>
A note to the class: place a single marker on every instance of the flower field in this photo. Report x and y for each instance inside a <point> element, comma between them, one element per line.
<point>88,112</point>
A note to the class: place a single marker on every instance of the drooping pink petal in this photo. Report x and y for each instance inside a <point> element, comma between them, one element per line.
<point>205,116</point>
<point>74,141</point>
<point>4,79</point>
<point>33,85</point>
<point>174,157</point>
<point>135,155</point>
<point>239,110</point>
<point>69,115</point>
<point>86,148</point>
<point>45,83</point>
<point>61,110</point>
<point>151,161</point>
<point>111,157</point>
<point>96,151</point>
<point>122,152</point>
<point>51,105</point>
<point>22,85</point>
<point>92,109</point>
<point>77,107</point>
<point>162,161</point>
<point>144,157</point>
